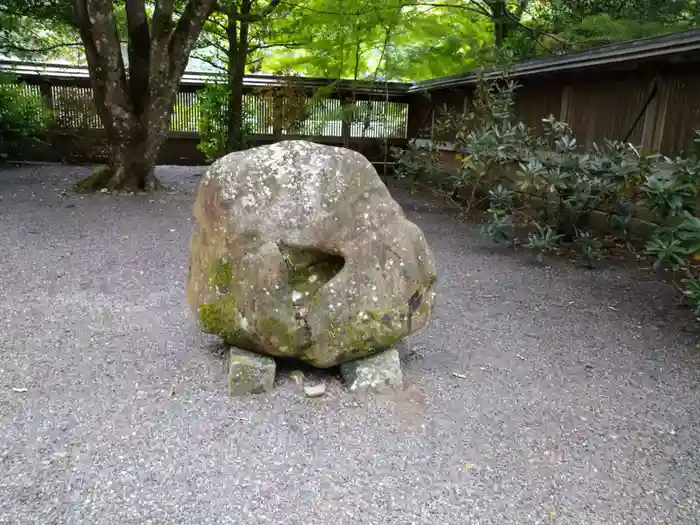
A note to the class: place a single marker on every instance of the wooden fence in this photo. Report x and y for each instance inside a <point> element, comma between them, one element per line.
<point>368,117</point>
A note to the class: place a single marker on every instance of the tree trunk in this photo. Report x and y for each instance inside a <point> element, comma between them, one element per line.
<point>133,160</point>
<point>504,20</point>
<point>232,53</point>
<point>498,9</point>
<point>135,108</point>
<point>237,58</point>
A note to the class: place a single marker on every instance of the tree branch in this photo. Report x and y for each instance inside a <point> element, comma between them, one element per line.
<point>185,33</point>
<point>98,32</point>
<point>522,7</point>
<point>212,63</point>
<point>46,49</point>
<point>279,44</point>
<point>477,8</point>
<point>215,22</point>
<point>162,19</point>
<point>260,15</point>
<point>256,61</point>
<point>538,31</point>
<point>387,38</point>
<point>347,13</point>
<point>223,68</point>
<point>139,49</point>
<point>216,44</point>
<point>474,7</point>
<point>515,18</point>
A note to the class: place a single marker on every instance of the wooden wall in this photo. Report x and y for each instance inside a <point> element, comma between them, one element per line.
<point>655,108</point>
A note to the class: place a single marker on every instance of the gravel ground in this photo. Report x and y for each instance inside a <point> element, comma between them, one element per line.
<point>577,400</point>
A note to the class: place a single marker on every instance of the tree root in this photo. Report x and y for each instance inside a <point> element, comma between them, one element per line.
<point>99,180</point>
<point>102,179</point>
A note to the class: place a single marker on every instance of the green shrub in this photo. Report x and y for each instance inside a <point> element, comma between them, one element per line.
<point>414,163</point>
<point>213,122</point>
<point>543,188</point>
<point>24,119</point>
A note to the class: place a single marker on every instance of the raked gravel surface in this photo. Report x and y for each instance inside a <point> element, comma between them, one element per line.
<point>538,394</point>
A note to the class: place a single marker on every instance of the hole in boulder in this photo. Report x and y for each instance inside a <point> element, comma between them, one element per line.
<point>308,270</point>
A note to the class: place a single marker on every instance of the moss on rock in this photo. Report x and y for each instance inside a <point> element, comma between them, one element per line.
<point>308,270</point>
<point>222,318</point>
<point>361,338</point>
<point>221,276</point>
<point>298,280</point>
<point>279,333</point>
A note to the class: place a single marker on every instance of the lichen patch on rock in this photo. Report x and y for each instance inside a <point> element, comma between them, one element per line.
<point>300,251</point>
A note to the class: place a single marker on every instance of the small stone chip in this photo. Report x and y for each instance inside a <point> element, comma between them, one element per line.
<point>250,373</point>
<point>316,390</point>
<point>298,377</point>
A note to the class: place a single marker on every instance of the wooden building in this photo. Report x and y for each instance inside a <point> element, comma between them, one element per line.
<point>646,92</point>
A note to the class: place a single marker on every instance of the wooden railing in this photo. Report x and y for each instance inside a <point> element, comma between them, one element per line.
<point>368,117</point>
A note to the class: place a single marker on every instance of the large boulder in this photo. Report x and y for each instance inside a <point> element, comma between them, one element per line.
<point>300,251</point>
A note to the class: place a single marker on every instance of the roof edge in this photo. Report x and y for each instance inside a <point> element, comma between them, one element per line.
<point>67,72</point>
<point>619,52</point>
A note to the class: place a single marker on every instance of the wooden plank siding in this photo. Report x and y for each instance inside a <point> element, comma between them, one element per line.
<point>596,112</point>
<point>532,105</point>
<point>679,114</point>
<point>656,109</point>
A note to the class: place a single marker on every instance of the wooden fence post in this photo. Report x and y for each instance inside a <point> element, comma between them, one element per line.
<point>278,107</point>
<point>655,118</point>
<point>46,93</point>
<point>565,110</point>
<point>347,119</point>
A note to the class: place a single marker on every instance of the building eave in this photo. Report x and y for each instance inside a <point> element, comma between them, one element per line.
<point>671,46</point>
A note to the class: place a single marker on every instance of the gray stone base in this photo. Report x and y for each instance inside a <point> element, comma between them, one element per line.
<point>379,373</point>
<point>250,373</point>
<point>403,348</point>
